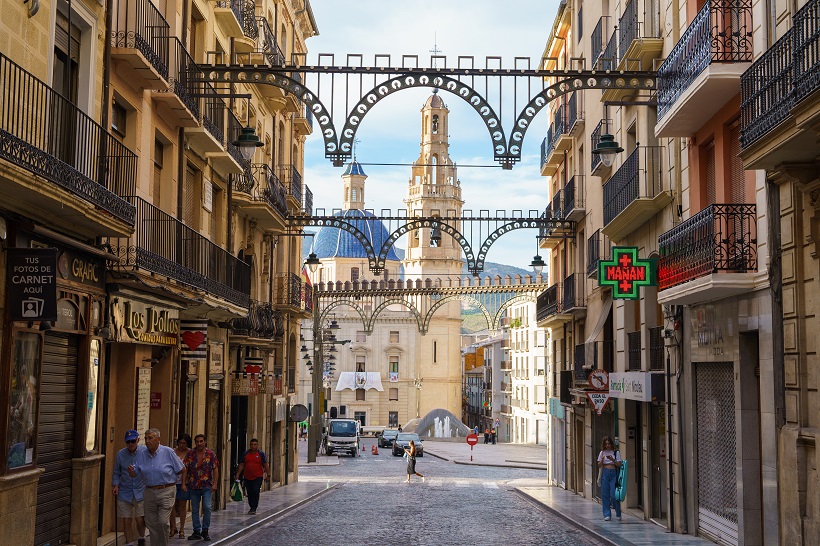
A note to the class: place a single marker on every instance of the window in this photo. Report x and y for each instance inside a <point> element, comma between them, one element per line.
<point>393,419</point>
<point>354,274</point>
<point>360,361</point>
<point>156,186</point>
<point>394,364</point>
<point>25,371</point>
<point>360,395</point>
<point>394,393</point>
<point>579,24</point>
<point>435,352</point>
<point>360,416</point>
<point>361,336</point>
<point>93,402</point>
<point>118,115</point>
<point>394,336</point>
<point>435,124</point>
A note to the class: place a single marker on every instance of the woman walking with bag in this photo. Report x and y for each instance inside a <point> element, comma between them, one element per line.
<point>410,455</point>
<point>609,460</point>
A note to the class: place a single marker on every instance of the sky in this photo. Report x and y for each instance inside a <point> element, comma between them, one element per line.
<point>391,131</point>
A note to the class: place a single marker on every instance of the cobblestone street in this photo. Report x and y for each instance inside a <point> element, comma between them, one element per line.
<point>456,504</point>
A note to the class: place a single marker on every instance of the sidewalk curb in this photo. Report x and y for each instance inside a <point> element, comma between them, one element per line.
<point>258,523</point>
<point>436,456</point>
<point>605,539</point>
<point>526,467</point>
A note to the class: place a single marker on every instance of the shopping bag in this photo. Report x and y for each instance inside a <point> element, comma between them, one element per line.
<point>236,492</point>
<point>620,488</point>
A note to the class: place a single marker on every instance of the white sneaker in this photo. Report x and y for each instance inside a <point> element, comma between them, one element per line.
<point>607,518</point>
<point>618,518</point>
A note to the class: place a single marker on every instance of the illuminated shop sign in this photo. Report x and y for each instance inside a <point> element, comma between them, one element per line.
<point>625,273</point>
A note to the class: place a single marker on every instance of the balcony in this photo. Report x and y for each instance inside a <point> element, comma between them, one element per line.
<point>575,115</point>
<point>48,136</point>
<point>593,355</point>
<point>711,255</point>
<point>598,248</point>
<point>597,167</point>
<point>574,198</point>
<point>229,160</point>
<point>262,323</point>
<point>165,246</point>
<point>307,202</point>
<point>506,409</point>
<point>702,72</point>
<point>556,142</point>
<point>210,136</point>
<point>635,193</point>
<point>598,40</point>
<point>292,295</point>
<point>547,305</point>
<point>140,42</point>
<point>640,42</point>
<point>234,16</point>
<point>572,294</point>
<point>780,97</point>
<point>292,180</point>
<point>303,121</point>
<point>178,100</point>
<point>260,194</point>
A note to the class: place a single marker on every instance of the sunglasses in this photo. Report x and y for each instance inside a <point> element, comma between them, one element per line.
<point>130,441</point>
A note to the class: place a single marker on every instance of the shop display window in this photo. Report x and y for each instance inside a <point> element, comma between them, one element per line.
<point>25,374</point>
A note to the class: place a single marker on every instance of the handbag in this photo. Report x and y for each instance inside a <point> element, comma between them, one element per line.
<point>236,492</point>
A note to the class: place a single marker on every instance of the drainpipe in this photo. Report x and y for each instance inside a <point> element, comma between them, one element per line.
<point>106,89</point>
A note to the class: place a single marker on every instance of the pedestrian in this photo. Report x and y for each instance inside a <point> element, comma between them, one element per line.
<point>411,461</point>
<point>128,491</point>
<point>255,466</point>
<point>609,461</point>
<point>494,434</point>
<point>486,435</point>
<point>399,428</point>
<point>200,478</point>
<point>180,508</point>
<point>475,430</point>
<point>158,466</point>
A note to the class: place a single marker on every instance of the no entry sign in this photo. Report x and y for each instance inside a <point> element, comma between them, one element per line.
<point>472,439</point>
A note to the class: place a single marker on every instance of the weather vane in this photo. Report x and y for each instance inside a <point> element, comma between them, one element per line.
<point>355,142</point>
<point>435,51</point>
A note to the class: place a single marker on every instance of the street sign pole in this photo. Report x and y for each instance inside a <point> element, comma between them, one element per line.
<point>472,439</point>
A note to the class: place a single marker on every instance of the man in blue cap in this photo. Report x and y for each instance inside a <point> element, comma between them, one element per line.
<point>129,491</point>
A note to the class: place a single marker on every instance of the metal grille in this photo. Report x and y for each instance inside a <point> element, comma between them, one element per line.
<point>711,190</point>
<point>716,451</point>
<point>634,342</point>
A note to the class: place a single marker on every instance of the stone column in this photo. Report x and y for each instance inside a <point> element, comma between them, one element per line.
<point>18,506</point>
<point>85,499</point>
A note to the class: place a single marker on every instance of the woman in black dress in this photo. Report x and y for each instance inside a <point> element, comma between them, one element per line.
<point>411,461</point>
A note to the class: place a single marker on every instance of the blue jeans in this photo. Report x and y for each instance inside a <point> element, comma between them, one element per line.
<point>608,479</point>
<point>203,496</point>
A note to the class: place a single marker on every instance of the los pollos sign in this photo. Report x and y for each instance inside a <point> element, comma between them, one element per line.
<point>625,273</point>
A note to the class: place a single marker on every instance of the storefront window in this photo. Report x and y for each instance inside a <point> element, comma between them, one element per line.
<point>93,389</point>
<point>25,371</point>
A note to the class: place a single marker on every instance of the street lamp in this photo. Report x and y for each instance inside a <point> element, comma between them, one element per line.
<point>247,142</point>
<point>607,148</point>
<point>312,262</point>
<point>537,264</point>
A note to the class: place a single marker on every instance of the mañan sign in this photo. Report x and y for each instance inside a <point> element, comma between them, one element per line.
<point>625,273</point>
<point>32,283</point>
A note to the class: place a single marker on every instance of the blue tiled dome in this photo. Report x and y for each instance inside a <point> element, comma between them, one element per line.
<point>332,242</point>
<point>354,167</point>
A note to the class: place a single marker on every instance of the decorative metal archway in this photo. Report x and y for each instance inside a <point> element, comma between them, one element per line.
<point>423,298</point>
<point>366,86</point>
<point>475,234</point>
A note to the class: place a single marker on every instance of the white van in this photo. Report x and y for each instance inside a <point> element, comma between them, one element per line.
<point>342,436</point>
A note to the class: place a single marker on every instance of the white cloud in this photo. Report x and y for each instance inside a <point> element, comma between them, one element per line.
<point>390,133</point>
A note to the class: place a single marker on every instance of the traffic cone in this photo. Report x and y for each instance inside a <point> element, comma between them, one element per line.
<point>363,447</point>
<point>375,450</point>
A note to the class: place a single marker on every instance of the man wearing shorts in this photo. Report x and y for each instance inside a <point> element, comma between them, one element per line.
<point>129,491</point>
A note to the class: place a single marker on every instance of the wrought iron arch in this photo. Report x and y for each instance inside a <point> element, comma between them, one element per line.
<point>264,75</point>
<point>420,223</point>
<point>495,235</point>
<point>456,297</point>
<point>410,81</point>
<point>346,225</point>
<point>337,303</point>
<point>568,85</point>
<point>393,301</point>
<point>513,300</point>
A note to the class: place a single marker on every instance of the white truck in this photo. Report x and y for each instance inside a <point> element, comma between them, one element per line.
<point>342,436</point>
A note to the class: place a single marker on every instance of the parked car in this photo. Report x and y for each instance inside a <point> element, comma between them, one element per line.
<point>387,436</point>
<point>402,442</point>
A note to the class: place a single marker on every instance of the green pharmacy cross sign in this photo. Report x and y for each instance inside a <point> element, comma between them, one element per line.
<point>625,273</point>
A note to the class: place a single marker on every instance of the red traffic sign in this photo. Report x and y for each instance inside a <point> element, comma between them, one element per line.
<point>472,439</point>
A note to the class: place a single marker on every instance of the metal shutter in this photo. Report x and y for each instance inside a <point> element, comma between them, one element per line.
<point>55,444</point>
<point>716,451</point>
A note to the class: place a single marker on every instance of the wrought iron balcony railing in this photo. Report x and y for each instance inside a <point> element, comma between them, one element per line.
<point>261,183</point>
<point>720,32</point>
<point>262,321</point>
<point>574,194</point>
<point>244,11</point>
<point>656,348</point>
<point>545,144</point>
<point>292,180</point>
<point>46,134</point>
<point>580,372</point>
<point>269,46</point>
<point>234,130</point>
<point>641,19</point>
<point>609,58</point>
<point>599,38</point>
<point>557,204</point>
<point>782,76</point>
<point>598,248</point>
<point>572,292</point>
<point>593,355</point>
<point>181,74</point>
<point>307,206</point>
<point>633,342</point>
<point>574,114</point>
<point>718,238</point>
<point>213,113</point>
<point>548,302</point>
<point>640,177</point>
<point>600,129</point>
<point>164,245</point>
<point>288,290</point>
<point>139,25</point>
